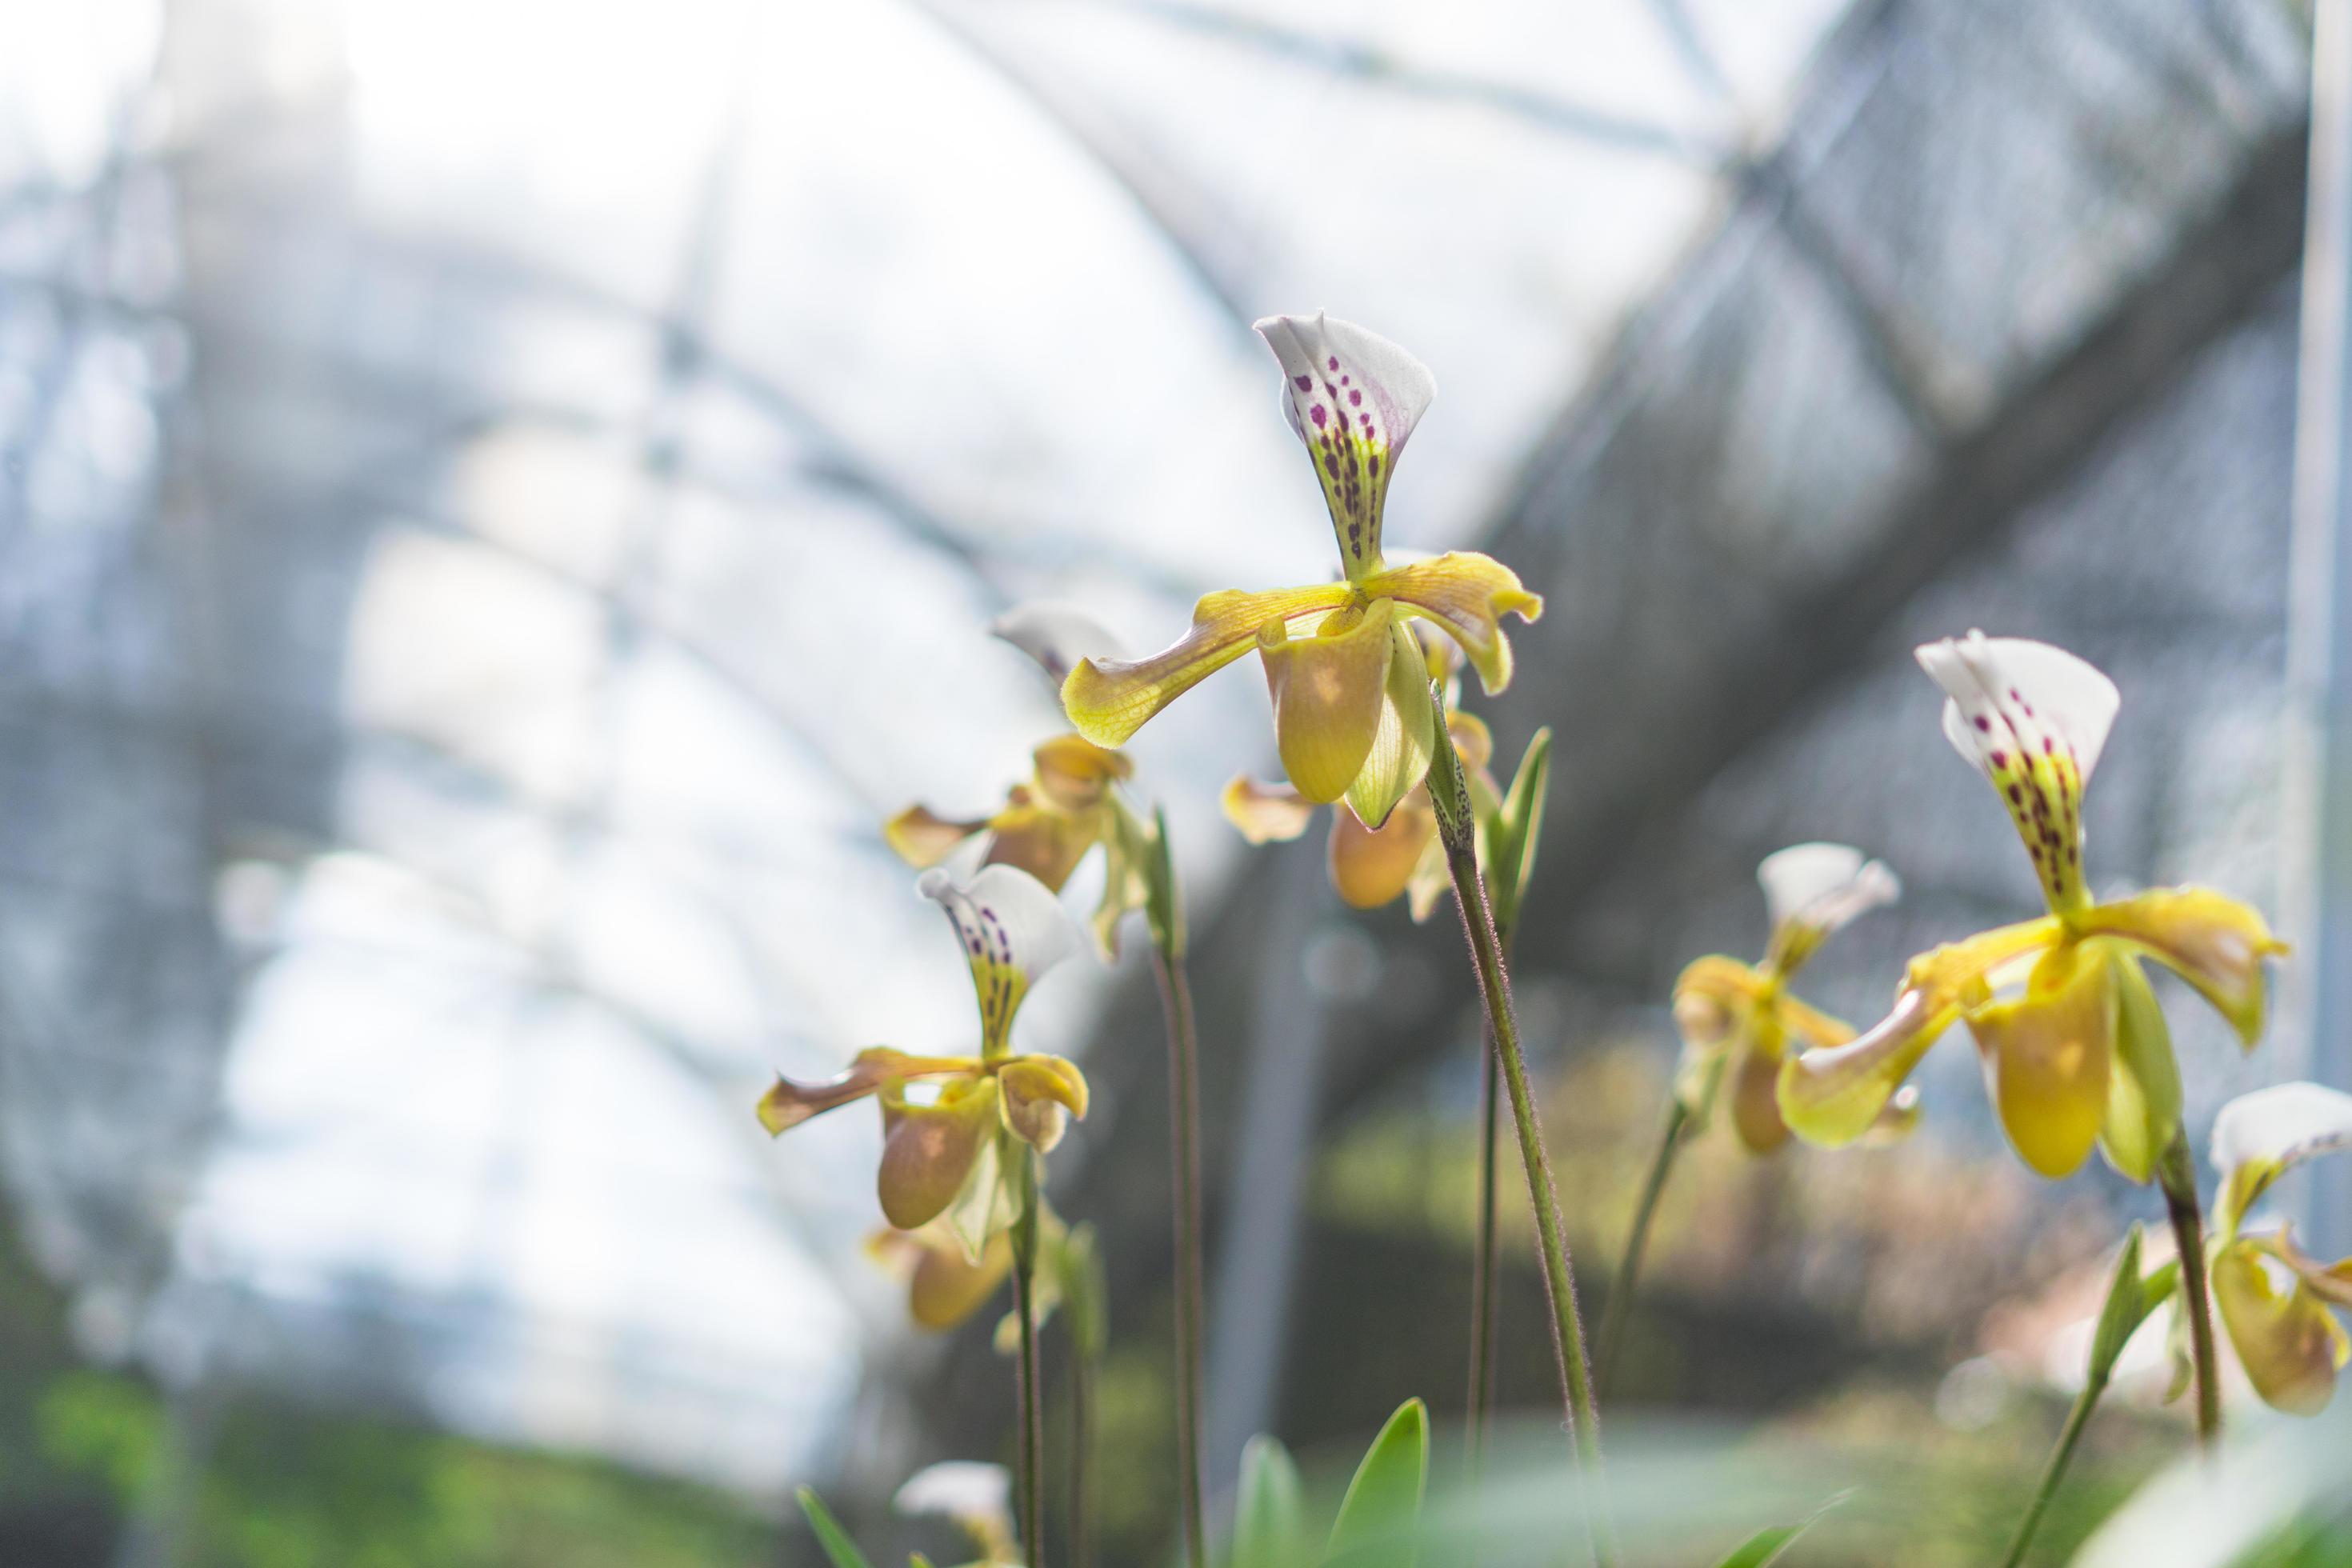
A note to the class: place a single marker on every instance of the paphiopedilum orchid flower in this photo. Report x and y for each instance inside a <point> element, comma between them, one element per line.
<point>1351,705</point>
<point>945,1284</point>
<point>943,1117</point>
<point>1371,867</point>
<point>1739,1020</point>
<point>2273,1299</point>
<point>1071,804</point>
<point>2074,1048</point>
<point>976,1498</point>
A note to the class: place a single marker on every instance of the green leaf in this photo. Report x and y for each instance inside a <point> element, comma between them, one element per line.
<point>1270,1523</point>
<point>1511,840</point>
<point>2127,1306</point>
<point>1766,1546</point>
<point>839,1550</point>
<point>1375,1526</point>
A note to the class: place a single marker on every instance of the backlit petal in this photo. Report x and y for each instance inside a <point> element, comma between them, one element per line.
<point>1043,840</point>
<point>1399,759</point>
<point>922,838</point>
<point>1468,595</point>
<point>1328,689</point>
<point>2257,1137</point>
<point>1040,1094</point>
<point>1073,773</point>
<point>2209,940</point>
<point>1013,929</point>
<point>2286,1339</point>
<point>1813,889</point>
<point>1832,1096</point>
<point>2034,717</point>
<point>2046,1056</point>
<point>1109,701</point>
<point>1354,398</point>
<point>788,1104</point>
<point>1370,868</point>
<point>1265,814</point>
<point>1057,636</point>
<point>1712,999</point>
<point>944,1287</point>
<point>928,1151</point>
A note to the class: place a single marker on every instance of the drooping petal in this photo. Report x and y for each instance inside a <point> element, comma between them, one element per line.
<point>1040,1096</point>
<point>1832,1096</point>
<point>1755,1101</point>
<point>929,1149</point>
<point>1354,398</point>
<point>1399,759</point>
<point>1813,889</point>
<point>2258,1137</point>
<point>1265,814</point>
<point>1075,773</point>
<point>2047,1057</point>
<point>2144,1085</point>
<point>1713,998</point>
<point>2209,940</point>
<point>1328,689</point>
<point>1013,929</point>
<point>922,838</point>
<point>1108,701</point>
<point>788,1104</point>
<point>1057,636</point>
<point>2331,1282</point>
<point>1468,595</point>
<point>944,1287</point>
<point>1371,867</point>
<point>1043,840</point>
<point>2034,717</point>
<point>1812,1027</point>
<point>2287,1340</point>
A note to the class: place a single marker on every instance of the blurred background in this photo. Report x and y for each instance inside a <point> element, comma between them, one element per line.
<point>498,501</point>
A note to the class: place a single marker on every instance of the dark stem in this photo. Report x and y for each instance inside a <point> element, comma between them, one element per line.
<point>1455,826</point>
<point>2077,1419</point>
<point>1032,1468</point>
<point>2177,1174</point>
<point>1637,1242</point>
<point>1184,1152</point>
<point>1483,1303</point>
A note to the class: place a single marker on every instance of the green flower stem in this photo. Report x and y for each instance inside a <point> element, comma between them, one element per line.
<point>2060,1457</point>
<point>1165,915</point>
<point>1032,1468</point>
<point>1637,1241</point>
<point>1482,1263</point>
<point>2177,1174</point>
<point>1457,828</point>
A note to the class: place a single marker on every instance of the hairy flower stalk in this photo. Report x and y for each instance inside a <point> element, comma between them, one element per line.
<point>1027,1390</point>
<point>1457,828</point>
<point>2177,1175</point>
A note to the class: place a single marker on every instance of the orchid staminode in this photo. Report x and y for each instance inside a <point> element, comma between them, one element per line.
<point>1737,1020</point>
<point>1351,706</point>
<point>2273,1300</point>
<point>942,1116</point>
<point>2076,1052</point>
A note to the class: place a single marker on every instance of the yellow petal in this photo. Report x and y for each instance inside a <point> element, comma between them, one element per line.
<point>944,1287</point>
<point>1265,814</point>
<point>1370,866</point>
<point>1109,700</point>
<point>788,1104</point>
<point>1755,1101</point>
<point>1816,1029</point>
<point>2329,1281</point>
<point>2287,1340</point>
<point>2209,940</point>
<point>1897,1121</point>
<point>2047,1057</point>
<point>1353,397</point>
<point>1041,1095</point>
<point>928,1150</point>
<point>2143,1084</point>
<point>1399,759</point>
<point>1328,689</point>
<point>1073,773</point>
<point>1468,595</point>
<point>922,838</point>
<point>1713,996</point>
<point>1834,1097</point>
<point>1043,840</point>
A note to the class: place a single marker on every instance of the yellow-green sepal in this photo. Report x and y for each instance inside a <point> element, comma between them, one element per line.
<point>1512,835</point>
<point>2144,1081</point>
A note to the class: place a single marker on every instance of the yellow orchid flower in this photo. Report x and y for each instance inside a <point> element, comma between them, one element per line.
<point>1047,827</point>
<point>1737,1020</point>
<point>942,1116</point>
<point>2074,1048</point>
<point>1370,866</point>
<point>1351,710</point>
<point>976,1498</point>
<point>2273,1300</point>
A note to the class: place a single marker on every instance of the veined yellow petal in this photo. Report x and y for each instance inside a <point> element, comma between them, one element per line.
<point>788,1104</point>
<point>2287,1340</point>
<point>2209,940</point>
<point>1400,755</point>
<point>1328,689</point>
<point>1040,1096</point>
<point>1265,814</point>
<point>1834,1097</point>
<point>1108,701</point>
<point>1370,866</point>
<point>928,1150</point>
<point>2047,1057</point>
<point>1073,773</point>
<point>922,838</point>
<point>1353,397</point>
<point>1468,595</point>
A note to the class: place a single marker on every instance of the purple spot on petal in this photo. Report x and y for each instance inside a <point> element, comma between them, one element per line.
<point>1317,414</point>
<point>1376,465</point>
<point>1984,723</point>
<point>1355,394</point>
<point>2001,758</point>
<point>1333,361</point>
<point>2048,746</point>
<point>1306,383</point>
